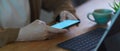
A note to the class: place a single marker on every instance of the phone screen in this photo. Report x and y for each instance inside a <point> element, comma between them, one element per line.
<point>65,24</point>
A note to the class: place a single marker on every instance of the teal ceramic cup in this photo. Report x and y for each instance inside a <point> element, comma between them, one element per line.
<point>101,16</point>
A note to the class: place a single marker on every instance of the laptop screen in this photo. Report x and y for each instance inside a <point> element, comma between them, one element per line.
<point>110,41</point>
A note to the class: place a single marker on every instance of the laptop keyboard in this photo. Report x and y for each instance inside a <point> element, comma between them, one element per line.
<point>84,42</point>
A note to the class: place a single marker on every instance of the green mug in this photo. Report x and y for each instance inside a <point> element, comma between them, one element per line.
<point>101,16</point>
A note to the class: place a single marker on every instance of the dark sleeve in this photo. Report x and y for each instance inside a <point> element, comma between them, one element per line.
<point>67,5</point>
<point>35,6</point>
<point>56,6</point>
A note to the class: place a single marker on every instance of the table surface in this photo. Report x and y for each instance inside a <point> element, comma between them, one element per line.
<point>51,45</point>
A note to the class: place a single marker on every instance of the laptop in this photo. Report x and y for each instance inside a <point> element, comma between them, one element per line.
<point>110,41</point>
<point>98,40</point>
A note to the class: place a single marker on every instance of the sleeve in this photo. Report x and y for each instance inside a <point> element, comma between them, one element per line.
<point>35,6</point>
<point>67,5</point>
<point>57,6</point>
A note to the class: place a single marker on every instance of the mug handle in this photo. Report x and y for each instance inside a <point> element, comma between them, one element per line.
<point>88,16</point>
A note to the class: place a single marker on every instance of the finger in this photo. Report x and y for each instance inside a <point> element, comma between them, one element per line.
<point>71,16</point>
<point>76,17</point>
<point>63,16</point>
<point>56,31</point>
<point>53,34</point>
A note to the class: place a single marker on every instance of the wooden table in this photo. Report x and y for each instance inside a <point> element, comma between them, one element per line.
<point>51,45</point>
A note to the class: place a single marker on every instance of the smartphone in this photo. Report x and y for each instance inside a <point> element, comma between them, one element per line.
<point>65,24</point>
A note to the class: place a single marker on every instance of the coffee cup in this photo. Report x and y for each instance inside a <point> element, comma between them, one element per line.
<point>101,16</point>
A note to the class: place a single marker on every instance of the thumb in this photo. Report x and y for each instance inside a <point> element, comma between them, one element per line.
<point>56,31</point>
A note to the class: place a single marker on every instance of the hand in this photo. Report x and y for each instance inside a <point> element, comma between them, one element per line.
<point>38,30</point>
<point>67,15</point>
<point>53,32</point>
<point>64,15</point>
